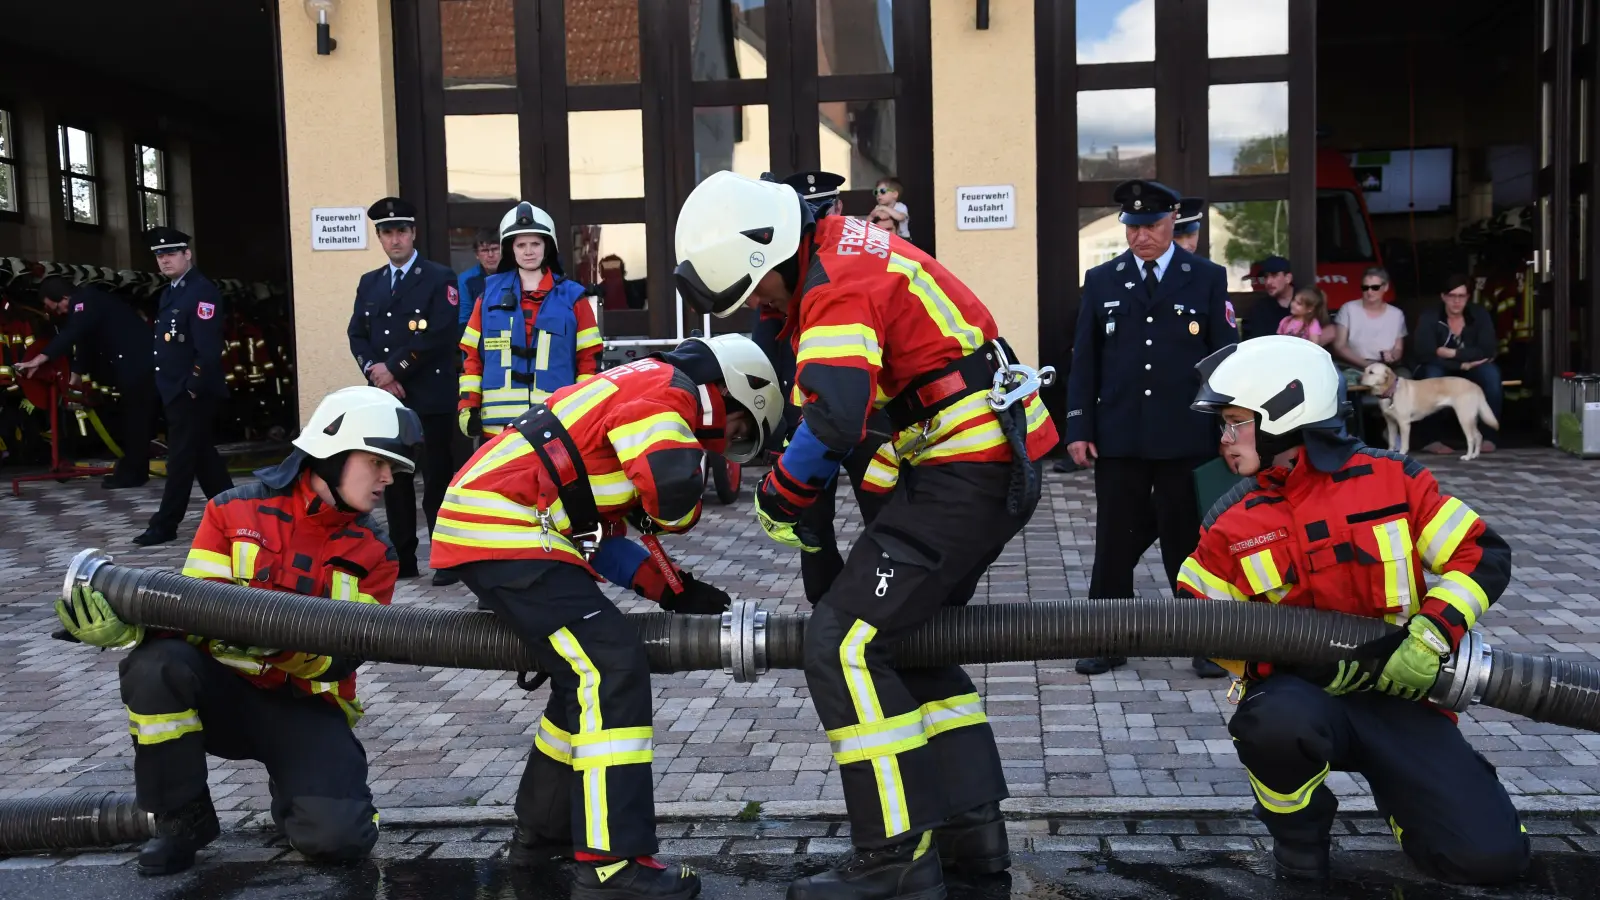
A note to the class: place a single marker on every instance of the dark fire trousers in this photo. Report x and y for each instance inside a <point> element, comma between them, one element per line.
<point>1440,797</point>
<point>818,570</point>
<point>588,778</point>
<point>182,704</point>
<point>1123,489</point>
<point>913,746</point>
<point>437,465</point>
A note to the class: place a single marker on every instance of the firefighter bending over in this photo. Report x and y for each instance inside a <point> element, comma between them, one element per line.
<point>884,334</point>
<point>1330,523</point>
<point>529,524</point>
<point>306,528</point>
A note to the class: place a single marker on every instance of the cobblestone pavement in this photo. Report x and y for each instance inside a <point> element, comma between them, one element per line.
<point>1147,739</point>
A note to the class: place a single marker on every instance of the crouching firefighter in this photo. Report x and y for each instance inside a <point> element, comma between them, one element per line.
<point>306,528</point>
<point>1330,523</point>
<point>883,332</point>
<point>530,523</point>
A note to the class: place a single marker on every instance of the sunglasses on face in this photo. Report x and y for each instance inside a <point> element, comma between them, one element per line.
<point>1372,287</point>
<point>883,190</point>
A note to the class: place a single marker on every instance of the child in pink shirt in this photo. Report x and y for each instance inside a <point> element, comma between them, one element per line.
<point>1308,317</point>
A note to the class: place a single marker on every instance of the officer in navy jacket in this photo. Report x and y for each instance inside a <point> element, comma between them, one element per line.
<point>189,380</point>
<point>1146,318</point>
<point>403,337</point>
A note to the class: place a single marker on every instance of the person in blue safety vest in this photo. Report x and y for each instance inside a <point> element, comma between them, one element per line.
<point>486,248</point>
<point>531,332</point>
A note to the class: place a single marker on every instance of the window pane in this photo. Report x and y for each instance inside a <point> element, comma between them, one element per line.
<point>731,137</point>
<point>728,39</point>
<point>1247,232</point>
<point>152,171</point>
<point>5,135</point>
<point>856,139</point>
<point>481,157</point>
<point>1112,31</point>
<point>614,256</point>
<point>479,38</point>
<point>155,209</point>
<point>1341,231</point>
<point>80,152</point>
<point>602,42</point>
<point>855,37</point>
<point>81,201</point>
<point>607,153</point>
<point>1116,134</point>
<point>1100,237</point>
<point>1247,28</point>
<point>1249,128</point>
<point>8,187</point>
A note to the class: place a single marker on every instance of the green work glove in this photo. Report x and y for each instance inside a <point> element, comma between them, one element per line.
<point>1411,670</point>
<point>787,533</point>
<point>90,619</point>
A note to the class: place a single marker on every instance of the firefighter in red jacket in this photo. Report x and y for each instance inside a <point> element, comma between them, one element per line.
<point>306,528</point>
<point>535,517</point>
<point>1330,523</point>
<point>883,333</point>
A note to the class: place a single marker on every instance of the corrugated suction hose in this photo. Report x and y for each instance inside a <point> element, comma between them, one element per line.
<point>82,820</point>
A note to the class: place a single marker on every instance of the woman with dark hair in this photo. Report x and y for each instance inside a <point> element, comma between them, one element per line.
<point>1457,337</point>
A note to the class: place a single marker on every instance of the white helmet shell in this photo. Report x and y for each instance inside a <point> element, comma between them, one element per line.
<point>525,218</point>
<point>362,418</point>
<point>753,383</point>
<point>731,231</point>
<point>1290,381</point>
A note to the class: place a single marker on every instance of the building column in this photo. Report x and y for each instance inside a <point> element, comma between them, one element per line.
<point>983,128</point>
<point>340,149</point>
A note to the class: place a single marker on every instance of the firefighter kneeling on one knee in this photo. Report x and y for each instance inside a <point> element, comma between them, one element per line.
<point>305,527</point>
<point>883,333</point>
<point>1330,523</point>
<point>538,514</point>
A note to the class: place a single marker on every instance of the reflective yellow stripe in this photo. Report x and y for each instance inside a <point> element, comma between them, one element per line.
<point>937,304</point>
<point>541,359</point>
<point>856,743</point>
<point>470,338</point>
<point>471,384</point>
<point>244,561</point>
<point>309,666</point>
<point>611,747</point>
<point>207,564</point>
<point>487,503</point>
<point>1206,584</point>
<point>1262,572</point>
<point>864,695</point>
<point>553,742</point>
<point>881,472</point>
<point>511,447</point>
<point>1399,586</point>
<point>1274,802</point>
<point>939,716</point>
<point>498,537</point>
<point>839,342</point>
<point>634,438</point>
<point>158,728</point>
<point>1462,593</point>
<point>590,721</point>
<point>588,337</point>
<point>574,406</point>
<point>611,489</point>
<point>1444,533</point>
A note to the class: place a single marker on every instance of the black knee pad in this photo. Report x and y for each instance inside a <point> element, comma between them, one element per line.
<point>328,829</point>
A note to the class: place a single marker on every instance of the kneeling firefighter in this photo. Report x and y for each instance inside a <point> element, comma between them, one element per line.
<point>1330,523</point>
<point>883,332</point>
<point>531,331</point>
<point>305,527</point>
<point>530,523</point>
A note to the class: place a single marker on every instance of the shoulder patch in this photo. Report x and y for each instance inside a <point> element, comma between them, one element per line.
<point>205,310</point>
<point>1228,500</point>
<point>453,295</point>
<point>1412,467</point>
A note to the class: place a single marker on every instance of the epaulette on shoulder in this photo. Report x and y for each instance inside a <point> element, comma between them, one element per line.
<point>1228,500</point>
<point>255,490</point>
<point>1412,467</point>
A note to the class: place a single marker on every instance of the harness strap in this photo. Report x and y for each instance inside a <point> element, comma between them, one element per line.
<point>928,395</point>
<point>549,438</point>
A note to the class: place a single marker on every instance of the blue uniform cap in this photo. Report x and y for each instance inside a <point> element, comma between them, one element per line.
<point>1144,202</point>
<point>392,211</point>
<point>1190,211</point>
<point>162,239</point>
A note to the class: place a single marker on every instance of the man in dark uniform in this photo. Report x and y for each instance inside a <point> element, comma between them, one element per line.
<point>107,340</point>
<point>1186,224</point>
<point>403,336</point>
<point>1147,317</point>
<point>189,381</point>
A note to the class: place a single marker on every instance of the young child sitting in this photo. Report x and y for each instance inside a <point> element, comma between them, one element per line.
<point>1308,317</point>
<point>890,213</point>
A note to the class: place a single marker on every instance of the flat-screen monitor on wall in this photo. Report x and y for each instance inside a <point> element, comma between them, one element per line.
<point>1399,181</point>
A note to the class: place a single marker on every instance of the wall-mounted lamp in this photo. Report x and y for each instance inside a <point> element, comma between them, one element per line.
<point>983,14</point>
<point>321,12</point>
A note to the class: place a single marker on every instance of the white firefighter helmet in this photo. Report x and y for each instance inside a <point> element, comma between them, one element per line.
<point>525,218</point>
<point>1290,382</point>
<point>362,418</point>
<point>732,230</point>
<point>753,384</point>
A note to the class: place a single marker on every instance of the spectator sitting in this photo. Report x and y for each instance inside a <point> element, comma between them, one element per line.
<point>1273,305</point>
<point>1308,317</point>
<point>890,213</point>
<point>1457,337</point>
<point>1370,331</point>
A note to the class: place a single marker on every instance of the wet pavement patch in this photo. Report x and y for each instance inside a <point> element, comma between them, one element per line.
<point>1132,875</point>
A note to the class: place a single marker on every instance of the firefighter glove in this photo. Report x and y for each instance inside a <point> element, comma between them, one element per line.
<point>780,518</point>
<point>90,619</point>
<point>1413,667</point>
<point>471,422</point>
<point>696,597</point>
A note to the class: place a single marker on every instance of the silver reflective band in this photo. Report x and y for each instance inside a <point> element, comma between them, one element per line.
<point>606,748</point>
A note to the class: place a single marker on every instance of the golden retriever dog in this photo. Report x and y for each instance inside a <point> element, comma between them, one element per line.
<point>1405,400</point>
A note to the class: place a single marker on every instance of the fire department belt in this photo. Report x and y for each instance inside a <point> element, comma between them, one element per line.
<point>549,438</point>
<point>928,395</point>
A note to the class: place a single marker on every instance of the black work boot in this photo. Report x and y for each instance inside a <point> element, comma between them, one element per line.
<point>629,879</point>
<point>177,836</point>
<point>529,848</point>
<point>974,842</point>
<point>905,871</point>
<point>1301,860</point>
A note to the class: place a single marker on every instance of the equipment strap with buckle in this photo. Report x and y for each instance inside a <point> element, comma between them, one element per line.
<point>549,438</point>
<point>928,395</point>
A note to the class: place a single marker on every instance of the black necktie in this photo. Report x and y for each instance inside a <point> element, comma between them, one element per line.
<point>394,279</point>
<point>1150,280</point>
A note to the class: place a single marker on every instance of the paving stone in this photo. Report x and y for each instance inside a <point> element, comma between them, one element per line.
<point>1138,843</point>
<point>819,845</point>
<point>692,847</point>
<point>100,859</point>
<point>1216,842</point>
<point>465,850</point>
<point>1049,843</point>
<point>764,845</point>
<point>1365,842</point>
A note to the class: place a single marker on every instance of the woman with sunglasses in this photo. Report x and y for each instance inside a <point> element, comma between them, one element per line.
<point>1370,331</point>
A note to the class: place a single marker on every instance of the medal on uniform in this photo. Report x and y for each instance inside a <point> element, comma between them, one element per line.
<point>422,324</point>
<point>167,337</point>
<point>412,324</point>
<point>1194,327</point>
<point>1111,327</point>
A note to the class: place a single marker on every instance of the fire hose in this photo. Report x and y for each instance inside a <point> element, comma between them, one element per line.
<point>747,642</point>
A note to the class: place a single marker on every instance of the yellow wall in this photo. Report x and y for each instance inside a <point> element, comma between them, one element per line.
<point>983,133</point>
<point>340,141</point>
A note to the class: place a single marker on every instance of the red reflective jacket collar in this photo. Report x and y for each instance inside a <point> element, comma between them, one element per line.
<point>808,248</point>
<point>310,509</point>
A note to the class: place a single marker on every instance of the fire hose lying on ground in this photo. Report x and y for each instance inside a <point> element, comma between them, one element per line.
<point>747,642</point>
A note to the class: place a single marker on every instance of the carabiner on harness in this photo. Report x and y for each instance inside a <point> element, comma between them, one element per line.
<point>1014,381</point>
